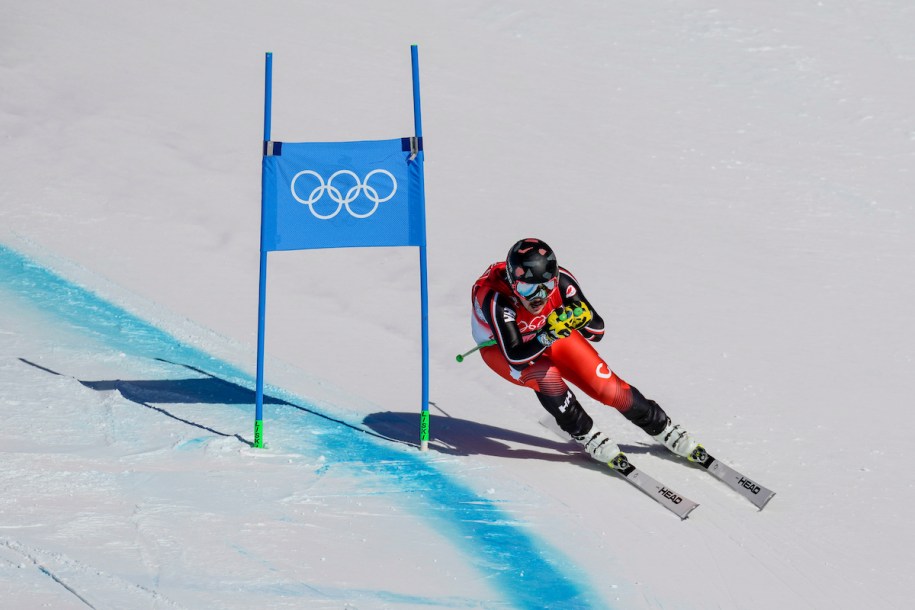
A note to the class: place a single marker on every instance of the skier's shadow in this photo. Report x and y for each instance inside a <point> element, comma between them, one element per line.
<point>450,435</point>
<point>455,436</point>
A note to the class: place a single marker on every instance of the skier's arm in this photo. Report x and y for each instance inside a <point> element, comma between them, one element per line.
<point>571,292</point>
<point>501,318</point>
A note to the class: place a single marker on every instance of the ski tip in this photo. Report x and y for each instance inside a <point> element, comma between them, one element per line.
<point>766,501</point>
<point>689,511</point>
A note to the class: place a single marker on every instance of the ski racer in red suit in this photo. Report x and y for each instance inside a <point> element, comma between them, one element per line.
<point>543,327</point>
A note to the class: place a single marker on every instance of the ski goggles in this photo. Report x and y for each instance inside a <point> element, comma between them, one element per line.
<point>526,290</point>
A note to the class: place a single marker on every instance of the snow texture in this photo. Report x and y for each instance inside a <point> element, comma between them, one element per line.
<point>731,182</point>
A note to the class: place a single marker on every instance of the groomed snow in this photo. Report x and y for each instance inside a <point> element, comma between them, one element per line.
<point>732,184</point>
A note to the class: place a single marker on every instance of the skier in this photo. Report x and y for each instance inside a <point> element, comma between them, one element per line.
<point>543,326</point>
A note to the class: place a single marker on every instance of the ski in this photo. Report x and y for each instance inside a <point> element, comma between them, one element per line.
<point>758,495</point>
<point>621,465</point>
<point>663,495</point>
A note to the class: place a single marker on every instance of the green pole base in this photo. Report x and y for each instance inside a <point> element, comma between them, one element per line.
<point>259,433</point>
<point>424,430</point>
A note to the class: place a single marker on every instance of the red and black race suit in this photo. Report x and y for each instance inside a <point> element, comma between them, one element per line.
<point>498,314</point>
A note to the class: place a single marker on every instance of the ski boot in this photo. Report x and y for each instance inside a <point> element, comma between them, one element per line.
<point>679,441</point>
<point>598,445</point>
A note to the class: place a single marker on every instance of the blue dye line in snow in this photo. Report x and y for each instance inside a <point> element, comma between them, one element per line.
<point>526,571</point>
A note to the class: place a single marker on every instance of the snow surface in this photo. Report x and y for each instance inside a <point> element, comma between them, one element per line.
<point>732,183</point>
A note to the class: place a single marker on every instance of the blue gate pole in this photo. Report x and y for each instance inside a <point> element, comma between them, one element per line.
<point>423,279</point>
<point>262,287</point>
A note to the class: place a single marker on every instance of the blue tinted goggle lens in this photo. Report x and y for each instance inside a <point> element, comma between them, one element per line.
<point>525,290</point>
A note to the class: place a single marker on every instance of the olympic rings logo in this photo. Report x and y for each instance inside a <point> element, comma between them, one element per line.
<point>337,196</point>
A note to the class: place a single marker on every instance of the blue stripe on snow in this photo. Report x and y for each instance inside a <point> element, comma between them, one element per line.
<point>527,571</point>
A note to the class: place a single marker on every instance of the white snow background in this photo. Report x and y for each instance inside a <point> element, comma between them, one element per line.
<point>732,182</point>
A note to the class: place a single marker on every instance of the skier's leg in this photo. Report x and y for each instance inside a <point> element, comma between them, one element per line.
<point>646,414</point>
<point>650,417</point>
<point>555,396</point>
<point>582,366</point>
<point>544,378</point>
<point>573,418</point>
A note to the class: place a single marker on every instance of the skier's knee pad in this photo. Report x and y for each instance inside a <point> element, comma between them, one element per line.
<point>646,414</point>
<point>568,412</point>
<point>575,421</point>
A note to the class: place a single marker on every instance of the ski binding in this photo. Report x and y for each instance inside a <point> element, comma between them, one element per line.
<point>757,494</point>
<point>663,495</point>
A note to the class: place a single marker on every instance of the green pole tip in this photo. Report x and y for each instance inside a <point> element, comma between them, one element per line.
<point>459,358</point>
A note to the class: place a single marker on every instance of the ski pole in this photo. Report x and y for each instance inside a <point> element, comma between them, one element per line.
<point>460,357</point>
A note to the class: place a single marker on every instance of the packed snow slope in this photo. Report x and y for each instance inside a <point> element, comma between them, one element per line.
<point>731,182</point>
